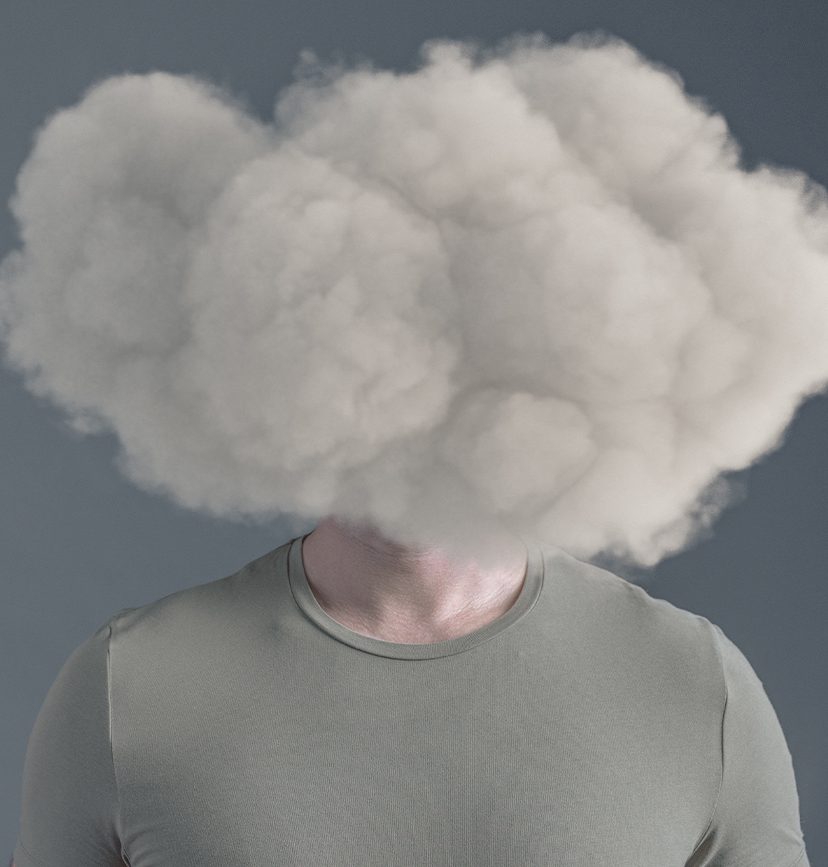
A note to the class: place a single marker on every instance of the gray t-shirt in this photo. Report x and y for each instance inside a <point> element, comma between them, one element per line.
<point>237,723</point>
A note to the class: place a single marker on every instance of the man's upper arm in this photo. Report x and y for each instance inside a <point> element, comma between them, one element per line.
<point>756,816</point>
<point>69,803</point>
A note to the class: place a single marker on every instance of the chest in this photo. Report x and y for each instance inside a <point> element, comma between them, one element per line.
<point>416,775</point>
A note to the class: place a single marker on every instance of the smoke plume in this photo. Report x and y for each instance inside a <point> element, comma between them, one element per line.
<point>529,285</point>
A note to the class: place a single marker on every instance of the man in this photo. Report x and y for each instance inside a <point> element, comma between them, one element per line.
<point>343,700</point>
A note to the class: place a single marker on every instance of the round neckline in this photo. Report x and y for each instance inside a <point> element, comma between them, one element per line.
<point>309,604</point>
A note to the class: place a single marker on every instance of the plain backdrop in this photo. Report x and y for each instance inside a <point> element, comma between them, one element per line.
<point>79,542</point>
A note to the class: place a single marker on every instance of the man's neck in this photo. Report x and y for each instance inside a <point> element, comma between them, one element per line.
<point>379,588</point>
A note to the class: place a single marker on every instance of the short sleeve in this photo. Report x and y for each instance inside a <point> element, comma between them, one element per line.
<point>69,802</point>
<point>756,821</point>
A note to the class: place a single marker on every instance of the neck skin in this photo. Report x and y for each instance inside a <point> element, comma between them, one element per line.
<point>381,589</point>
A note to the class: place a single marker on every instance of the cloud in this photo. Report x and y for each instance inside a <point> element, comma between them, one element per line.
<point>529,285</point>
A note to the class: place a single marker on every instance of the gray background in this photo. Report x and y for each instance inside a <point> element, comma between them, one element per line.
<point>79,542</point>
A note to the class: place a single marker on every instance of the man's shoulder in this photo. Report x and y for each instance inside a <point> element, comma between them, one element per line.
<point>602,586</point>
<point>200,606</point>
<point>634,626</point>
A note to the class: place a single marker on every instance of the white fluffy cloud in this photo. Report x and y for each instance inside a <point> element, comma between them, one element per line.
<point>528,286</point>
